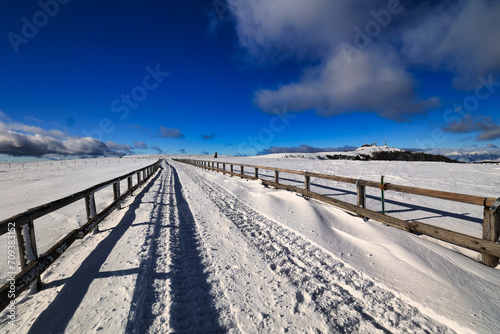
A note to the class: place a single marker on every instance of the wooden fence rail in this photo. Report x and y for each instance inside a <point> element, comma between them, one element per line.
<point>33,265</point>
<point>489,245</point>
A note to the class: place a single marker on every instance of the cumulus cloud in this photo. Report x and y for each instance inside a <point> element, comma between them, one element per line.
<point>170,133</point>
<point>17,139</point>
<point>118,147</point>
<point>359,55</point>
<point>488,129</point>
<point>34,129</point>
<point>463,38</point>
<point>305,149</point>
<point>368,82</point>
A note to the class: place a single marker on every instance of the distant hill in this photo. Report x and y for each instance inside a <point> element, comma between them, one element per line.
<point>373,152</point>
<point>474,156</point>
<point>388,154</point>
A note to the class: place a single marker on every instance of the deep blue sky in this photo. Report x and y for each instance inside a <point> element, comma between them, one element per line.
<point>230,64</point>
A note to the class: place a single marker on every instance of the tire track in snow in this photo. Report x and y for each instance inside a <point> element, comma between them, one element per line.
<point>142,303</point>
<point>176,295</point>
<point>193,307</point>
<point>349,301</point>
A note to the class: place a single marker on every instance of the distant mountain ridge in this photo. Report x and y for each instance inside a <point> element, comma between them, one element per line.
<point>469,155</point>
<point>374,152</point>
<point>386,153</point>
<point>474,156</point>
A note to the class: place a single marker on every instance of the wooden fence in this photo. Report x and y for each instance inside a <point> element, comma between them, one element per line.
<point>489,245</point>
<point>32,265</point>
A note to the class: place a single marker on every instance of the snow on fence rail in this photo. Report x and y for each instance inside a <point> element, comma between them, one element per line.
<point>32,265</point>
<point>489,245</point>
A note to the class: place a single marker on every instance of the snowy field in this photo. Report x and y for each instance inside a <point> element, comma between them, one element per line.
<point>27,185</point>
<point>198,251</point>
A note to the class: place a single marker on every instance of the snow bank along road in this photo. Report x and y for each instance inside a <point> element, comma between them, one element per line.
<point>189,254</point>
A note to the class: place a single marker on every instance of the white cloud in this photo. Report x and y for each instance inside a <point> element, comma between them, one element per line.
<point>34,129</point>
<point>488,129</point>
<point>371,82</point>
<point>17,139</point>
<point>459,36</point>
<point>304,29</point>
<point>118,147</point>
<point>464,39</point>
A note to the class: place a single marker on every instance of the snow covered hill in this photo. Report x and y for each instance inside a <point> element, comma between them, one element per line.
<point>474,156</point>
<point>373,148</point>
<point>369,150</point>
<point>377,152</point>
<point>366,152</point>
<point>198,251</point>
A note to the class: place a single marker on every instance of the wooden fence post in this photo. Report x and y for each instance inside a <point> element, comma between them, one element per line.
<point>32,253</point>
<point>91,209</point>
<point>256,172</point>
<point>307,182</point>
<point>224,169</point>
<point>361,190</point>
<point>361,194</point>
<point>382,195</point>
<point>232,171</point>
<point>90,206</point>
<point>129,182</point>
<point>218,167</point>
<point>276,176</point>
<point>241,169</point>
<point>116,192</point>
<point>491,231</point>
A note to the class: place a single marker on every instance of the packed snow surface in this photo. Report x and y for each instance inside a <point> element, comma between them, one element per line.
<point>198,251</point>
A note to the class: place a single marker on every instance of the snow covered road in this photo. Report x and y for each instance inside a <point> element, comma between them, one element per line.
<point>322,294</point>
<point>189,254</point>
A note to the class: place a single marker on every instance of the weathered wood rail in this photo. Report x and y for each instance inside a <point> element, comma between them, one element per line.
<point>489,245</point>
<point>33,265</point>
